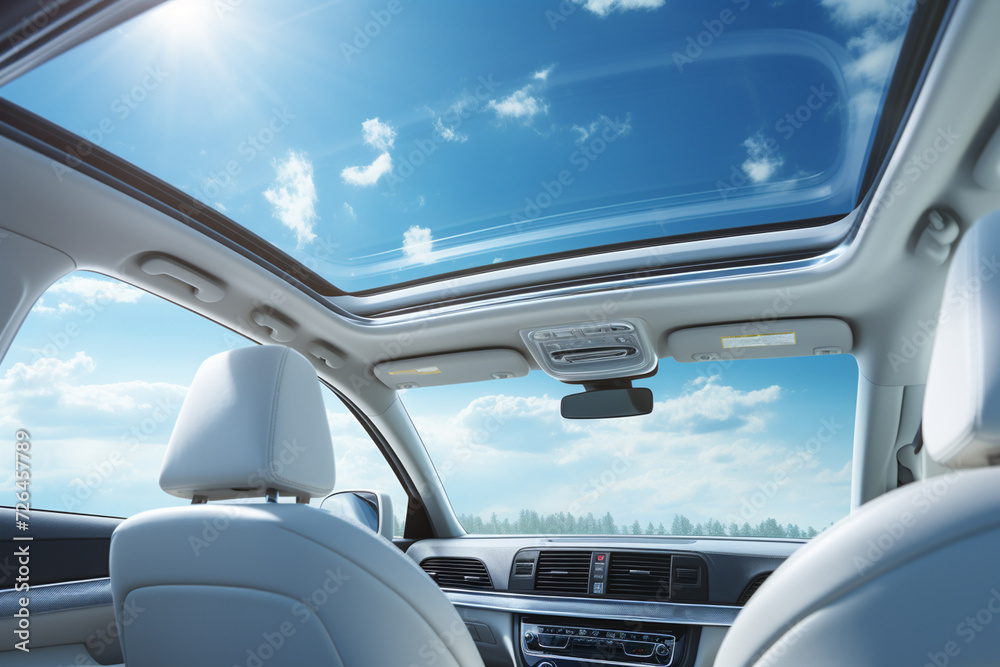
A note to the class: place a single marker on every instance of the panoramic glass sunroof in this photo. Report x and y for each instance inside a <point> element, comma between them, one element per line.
<point>390,141</point>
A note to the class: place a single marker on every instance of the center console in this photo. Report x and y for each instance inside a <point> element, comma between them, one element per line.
<point>570,642</point>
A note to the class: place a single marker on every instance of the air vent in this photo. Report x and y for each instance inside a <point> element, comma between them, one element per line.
<point>592,354</point>
<point>687,576</point>
<point>563,572</point>
<point>467,573</point>
<point>524,568</point>
<point>752,588</point>
<point>639,576</point>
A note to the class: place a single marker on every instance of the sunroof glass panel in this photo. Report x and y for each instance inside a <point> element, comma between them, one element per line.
<point>385,142</point>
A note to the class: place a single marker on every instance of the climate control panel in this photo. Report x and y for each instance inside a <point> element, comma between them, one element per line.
<point>562,642</point>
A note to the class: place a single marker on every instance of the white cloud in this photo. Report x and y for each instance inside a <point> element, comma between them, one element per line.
<point>853,11</point>
<point>700,453</point>
<point>619,129</point>
<point>41,308</point>
<point>828,476</point>
<point>519,104</point>
<point>93,290</point>
<point>21,377</point>
<point>447,124</point>
<point>293,198</point>
<point>604,7</point>
<point>97,447</point>
<point>761,164</point>
<point>55,395</point>
<point>875,56</point>
<point>75,291</point>
<point>878,26</point>
<point>349,210</point>
<point>708,401</point>
<point>378,135</point>
<point>368,175</point>
<point>543,74</point>
<point>418,244</point>
<point>449,133</point>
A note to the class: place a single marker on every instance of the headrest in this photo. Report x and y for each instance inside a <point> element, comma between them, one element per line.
<point>961,424</point>
<point>253,420</point>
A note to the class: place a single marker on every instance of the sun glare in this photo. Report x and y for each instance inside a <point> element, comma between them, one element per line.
<point>185,20</point>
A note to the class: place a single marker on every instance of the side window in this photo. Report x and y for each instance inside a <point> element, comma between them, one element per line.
<point>96,376</point>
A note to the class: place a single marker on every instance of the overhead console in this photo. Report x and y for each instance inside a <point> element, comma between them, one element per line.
<point>589,351</point>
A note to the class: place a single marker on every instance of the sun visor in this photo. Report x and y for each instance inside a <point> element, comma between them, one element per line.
<point>762,340</point>
<point>452,368</point>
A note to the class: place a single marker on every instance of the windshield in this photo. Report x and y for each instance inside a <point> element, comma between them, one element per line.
<point>387,141</point>
<point>748,448</point>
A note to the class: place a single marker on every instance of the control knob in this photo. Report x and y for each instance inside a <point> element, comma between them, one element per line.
<point>661,650</point>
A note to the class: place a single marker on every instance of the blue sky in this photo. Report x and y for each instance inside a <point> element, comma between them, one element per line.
<point>455,135</point>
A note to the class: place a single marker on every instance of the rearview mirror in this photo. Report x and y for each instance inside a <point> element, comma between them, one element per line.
<point>371,509</point>
<point>607,403</point>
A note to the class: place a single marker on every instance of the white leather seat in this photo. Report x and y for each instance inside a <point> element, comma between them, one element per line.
<point>913,577</point>
<point>267,584</point>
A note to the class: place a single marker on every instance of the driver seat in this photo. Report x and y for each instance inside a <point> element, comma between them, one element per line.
<point>281,585</point>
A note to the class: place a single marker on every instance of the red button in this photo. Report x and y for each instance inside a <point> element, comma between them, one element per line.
<point>600,557</point>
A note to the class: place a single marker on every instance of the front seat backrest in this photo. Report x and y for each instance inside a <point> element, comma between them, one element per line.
<point>267,584</point>
<point>910,578</point>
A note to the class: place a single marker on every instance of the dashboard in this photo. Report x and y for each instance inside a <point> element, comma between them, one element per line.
<point>574,601</point>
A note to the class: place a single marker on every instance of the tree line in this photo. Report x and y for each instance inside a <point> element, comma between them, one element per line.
<point>530,522</point>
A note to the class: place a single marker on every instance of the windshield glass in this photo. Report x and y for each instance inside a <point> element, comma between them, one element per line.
<point>748,448</point>
<point>386,141</point>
